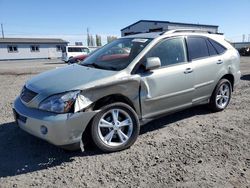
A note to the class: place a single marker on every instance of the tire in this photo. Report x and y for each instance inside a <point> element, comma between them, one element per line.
<point>221,95</point>
<point>111,124</point>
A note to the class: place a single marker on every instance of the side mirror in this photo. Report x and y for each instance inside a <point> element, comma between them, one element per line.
<point>153,63</point>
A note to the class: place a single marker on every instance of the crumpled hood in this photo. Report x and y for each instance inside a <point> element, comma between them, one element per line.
<point>67,78</point>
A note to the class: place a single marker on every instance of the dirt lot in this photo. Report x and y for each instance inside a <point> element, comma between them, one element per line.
<point>191,148</point>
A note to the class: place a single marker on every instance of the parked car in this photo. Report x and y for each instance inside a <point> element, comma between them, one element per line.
<point>245,51</point>
<point>72,51</point>
<point>108,96</point>
<point>77,59</point>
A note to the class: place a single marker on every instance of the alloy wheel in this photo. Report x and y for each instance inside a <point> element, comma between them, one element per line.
<point>223,96</point>
<point>115,127</point>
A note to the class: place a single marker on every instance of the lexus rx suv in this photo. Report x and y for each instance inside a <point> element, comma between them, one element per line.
<point>112,92</point>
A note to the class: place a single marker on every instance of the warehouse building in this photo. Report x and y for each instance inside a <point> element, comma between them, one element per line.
<point>144,26</point>
<point>31,48</point>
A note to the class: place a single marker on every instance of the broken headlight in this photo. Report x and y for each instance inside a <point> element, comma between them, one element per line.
<point>60,103</point>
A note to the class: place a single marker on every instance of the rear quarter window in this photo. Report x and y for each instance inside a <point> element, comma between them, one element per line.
<point>219,48</point>
<point>212,51</point>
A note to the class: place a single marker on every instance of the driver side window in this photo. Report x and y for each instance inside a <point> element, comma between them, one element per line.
<point>170,51</point>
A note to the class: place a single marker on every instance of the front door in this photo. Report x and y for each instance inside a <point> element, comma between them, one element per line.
<point>169,87</point>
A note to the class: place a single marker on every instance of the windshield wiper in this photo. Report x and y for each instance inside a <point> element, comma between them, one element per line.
<point>95,65</point>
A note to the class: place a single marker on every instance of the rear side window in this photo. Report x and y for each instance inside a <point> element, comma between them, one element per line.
<point>219,48</point>
<point>197,48</point>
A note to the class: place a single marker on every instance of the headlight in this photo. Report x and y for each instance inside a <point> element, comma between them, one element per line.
<point>61,103</point>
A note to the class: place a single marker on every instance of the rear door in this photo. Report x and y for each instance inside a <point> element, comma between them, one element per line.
<point>169,87</point>
<point>206,63</point>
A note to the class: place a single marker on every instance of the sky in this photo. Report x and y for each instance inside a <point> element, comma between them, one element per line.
<point>69,20</point>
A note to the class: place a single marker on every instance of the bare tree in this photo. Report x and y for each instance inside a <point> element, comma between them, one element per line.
<point>111,38</point>
<point>98,40</point>
<point>92,41</point>
<point>88,37</point>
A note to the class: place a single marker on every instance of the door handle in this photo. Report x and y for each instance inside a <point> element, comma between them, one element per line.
<point>219,61</point>
<point>188,70</point>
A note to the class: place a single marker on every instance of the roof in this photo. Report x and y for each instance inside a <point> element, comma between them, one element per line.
<point>175,32</point>
<point>187,24</point>
<point>33,40</point>
<point>144,35</point>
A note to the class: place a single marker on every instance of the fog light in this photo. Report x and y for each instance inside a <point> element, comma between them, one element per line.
<point>43,129</point>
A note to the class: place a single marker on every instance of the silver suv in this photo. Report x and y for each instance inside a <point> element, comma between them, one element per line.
<point>125,84</point>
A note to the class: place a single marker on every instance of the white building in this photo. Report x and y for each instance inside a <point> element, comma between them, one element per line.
<point>31,48</point>
<point>144,26</point>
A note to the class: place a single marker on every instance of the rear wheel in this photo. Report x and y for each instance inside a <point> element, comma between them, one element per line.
<point>115,127</point>
<point>221,95</point>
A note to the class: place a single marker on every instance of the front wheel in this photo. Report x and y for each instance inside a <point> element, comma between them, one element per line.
<point>115,127</point>
<point>221,96</point>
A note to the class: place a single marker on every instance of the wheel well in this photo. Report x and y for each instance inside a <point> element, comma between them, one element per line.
<point>86,138</point>
<point>111,99</point>
<point>229,77</point>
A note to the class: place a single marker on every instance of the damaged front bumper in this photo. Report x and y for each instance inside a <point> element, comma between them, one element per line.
<point>58,129</point>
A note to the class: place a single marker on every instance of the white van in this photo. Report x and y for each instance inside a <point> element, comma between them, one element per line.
<point>72,51</point>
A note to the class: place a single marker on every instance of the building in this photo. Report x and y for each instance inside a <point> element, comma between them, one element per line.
<point>239,45</point>
<point>144,26</point>
<point>31,48</point>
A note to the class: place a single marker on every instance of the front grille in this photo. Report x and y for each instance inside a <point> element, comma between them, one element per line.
<point>27,95</point>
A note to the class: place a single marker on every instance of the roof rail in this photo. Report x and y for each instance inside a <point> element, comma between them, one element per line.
<point>185,31</point>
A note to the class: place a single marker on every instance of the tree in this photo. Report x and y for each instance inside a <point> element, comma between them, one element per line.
<point>92,43</point>
<point>111,38</point>
<point>98,40</point>
<point>90,40</point>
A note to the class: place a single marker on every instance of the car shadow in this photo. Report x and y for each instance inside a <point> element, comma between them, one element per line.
<point>175,117</point>
<point>245,77</point>
<point>21,153</point>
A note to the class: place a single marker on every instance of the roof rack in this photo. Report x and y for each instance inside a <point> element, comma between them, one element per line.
<point>185,31</point>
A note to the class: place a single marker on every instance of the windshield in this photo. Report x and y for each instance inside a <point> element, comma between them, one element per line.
<point>117,55</point>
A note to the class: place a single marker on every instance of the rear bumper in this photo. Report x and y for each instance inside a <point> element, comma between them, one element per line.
<point>62,129</point>
<point>237,78</point>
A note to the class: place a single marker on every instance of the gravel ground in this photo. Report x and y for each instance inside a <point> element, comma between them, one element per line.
<point>192,148</point>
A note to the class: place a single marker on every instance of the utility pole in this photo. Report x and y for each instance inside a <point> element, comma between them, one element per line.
<point>2,31</point>
<point>243,37</point>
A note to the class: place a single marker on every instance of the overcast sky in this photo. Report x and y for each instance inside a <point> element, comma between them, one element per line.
<point>70,19</point>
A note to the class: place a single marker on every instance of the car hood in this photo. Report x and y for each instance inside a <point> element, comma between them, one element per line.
<point>72,77</point>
